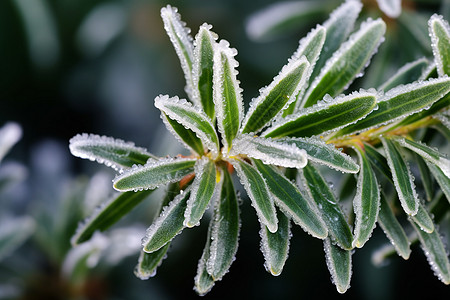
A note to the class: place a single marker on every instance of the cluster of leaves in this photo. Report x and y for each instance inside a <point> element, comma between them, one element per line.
<point>300,121</point>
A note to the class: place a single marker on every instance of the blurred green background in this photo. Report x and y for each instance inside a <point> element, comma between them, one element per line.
<point>95,66</point>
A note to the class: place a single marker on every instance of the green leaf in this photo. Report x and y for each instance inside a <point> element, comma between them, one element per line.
<point>205,42</point>
<point>346,63</point>
<point>186,136</point>
<point>378,161</point>
<point>440,43</point>
<point>325,154</point>
<point>366,203</point>
<point>149,262</point>
<point>442,180</point>
<point>227,93</point>
<point>400,102</point>
<point>402,177</point>
<point>430,154</point>
<point>13,233</point>
<point>112,152</point>
<point>154,174</point>
<point>425,176</point>
<point>258,192</point>
<point>275,246</point>
<point>324,117</point>
<point>276,96</point>
<point>423,219</point>
<point>203,281</point>
<point>202,191</point>
<point>225,230</point>
<point>292,202</point>
<point>269,151</point>
<point>332,214</point>
<point>393,229</point>
<point>190,117</point>
<point>339,262</point>
<point>182,41</point>
<point>108,214</point>
<point>168,224</point>
<point>436,253</point>
<point>408,73</point>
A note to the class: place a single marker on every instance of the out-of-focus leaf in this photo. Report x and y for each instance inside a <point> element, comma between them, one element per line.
<point>440,43</point>
<point>339,262</point>
<point>408,73</point>
<point>392,8</point>
<point>13,233</point>
<point>10,134</point>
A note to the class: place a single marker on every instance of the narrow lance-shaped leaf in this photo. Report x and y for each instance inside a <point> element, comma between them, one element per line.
<point>154,174</point>
<point>108,214</point>
<point>378,161</point>
<point>14,232</point>
<point>393,229</point>
<point>324,117</point>
<point>225,229</point>
<point>292,202</point>
<point>276,96</point>
<point>347,63</point>
<point>203,68</point>
<point>408,73</point>
<point>202,191</point>
<point>331,212</point>
<point>442,179</point>
<point>430,154</point>
<point>258,192</point>
<point>366,203</point>
<point>190,117</point>
<point>275,246</point>
<point>339,26</point>
<point>423,219</point>
<point>326,154</point>
<point>273,152</point>
<point>440,43</point>
<point>149,262</point>
<point>227,93</point>
<point>436,253</point>
<point>112,152</point>
<point>182,41</point>
<point>203,281</point>
<point>402,178</point>
<point>426,177</point>
<point>339,262</point>
<point>401,102</point>
<point>168,224</point>
<point>186,136</point>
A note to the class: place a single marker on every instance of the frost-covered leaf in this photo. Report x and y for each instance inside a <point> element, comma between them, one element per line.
<point>112,152</point>
<point>258,192</point>
<point>366,203</point>
<point>226,93</point>
<point>182,41</point>
<point>201,192</point>
<point>393,230</point>
<point>225,230</point>
<point>292,202</point>
<point>435,251</point>
<point>325,116</point>
<point>205,41</point>
<point>408,73</point>
<point>149,262</point>
<point>346,63</point>
<point>441,178</point>
<point>392,8</point>
<point>402,177</point>
<point>154,174</point>
<point>10,134</point>
<point>339,25</point>
<point>108,214</point>
<point>425,177</point>
<point>270,151</point>
<point>440,43</point>
<point>339,262</point>
<point>186,136</point>
<point>276,96</point>
<point>203,281</point>
<point>400,102</point>
<point>430,154</point>
<point>378,161</point>
<point>326,154</point>
<point>275,246</point>
<point>423,219</point>
<point>190,117</point>
<point>13,233</point>
<point>168,224</point>
<point>334,218</point>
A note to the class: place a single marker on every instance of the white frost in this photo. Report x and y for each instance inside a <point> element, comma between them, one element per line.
<point>10,134</point>
<point>392,8</point>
